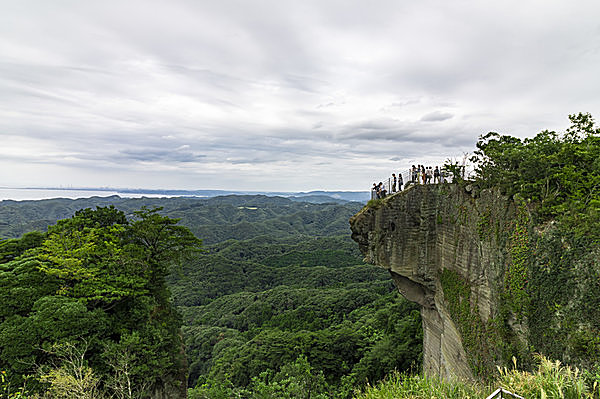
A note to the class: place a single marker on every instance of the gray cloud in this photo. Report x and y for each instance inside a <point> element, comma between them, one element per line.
<point>225,94</point>
<point>436,116</point>
<point>160,156</point>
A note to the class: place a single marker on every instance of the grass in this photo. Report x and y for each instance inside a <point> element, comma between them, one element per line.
<point>399,386</point>
<point>550,380</point>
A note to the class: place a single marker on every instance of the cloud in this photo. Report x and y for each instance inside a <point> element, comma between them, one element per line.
<point>436,116</point>
<point>225,94</point>
<point>160,156</point>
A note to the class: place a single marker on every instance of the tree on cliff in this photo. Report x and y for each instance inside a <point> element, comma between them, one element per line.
<point>95,280</point>
<point>558,172</point>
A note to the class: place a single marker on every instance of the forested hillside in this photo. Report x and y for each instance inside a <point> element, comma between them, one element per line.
<point>279,299</point>
<point>213,220</point>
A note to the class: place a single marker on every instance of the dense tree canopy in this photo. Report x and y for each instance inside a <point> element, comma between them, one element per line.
<point>94,281</point>
<point>559,173</point>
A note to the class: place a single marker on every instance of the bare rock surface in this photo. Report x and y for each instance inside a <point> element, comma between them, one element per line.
<point>421,232</point>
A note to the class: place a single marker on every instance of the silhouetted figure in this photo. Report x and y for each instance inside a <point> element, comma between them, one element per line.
<point>436,175</point>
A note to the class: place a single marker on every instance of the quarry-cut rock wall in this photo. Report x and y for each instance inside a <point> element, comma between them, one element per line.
<point>446,251</point>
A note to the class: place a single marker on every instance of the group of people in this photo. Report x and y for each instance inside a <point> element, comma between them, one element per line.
<point>419,174</point>
<point>424,174</point>
<point>379,191</point>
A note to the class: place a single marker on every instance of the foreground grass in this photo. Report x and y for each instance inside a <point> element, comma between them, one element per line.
<point>399,386</point>
<point>550,380</point>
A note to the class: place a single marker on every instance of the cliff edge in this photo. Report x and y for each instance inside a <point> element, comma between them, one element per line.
<point>447,251</point>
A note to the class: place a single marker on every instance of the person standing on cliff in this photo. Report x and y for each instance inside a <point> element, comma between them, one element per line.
<point>381,191</point>
<point>393,182</point>
<point>429,174</point>
<point>400,182</point>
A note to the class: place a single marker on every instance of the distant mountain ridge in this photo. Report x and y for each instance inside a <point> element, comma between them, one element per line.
<point>228,215</point>
<point>317,196</point>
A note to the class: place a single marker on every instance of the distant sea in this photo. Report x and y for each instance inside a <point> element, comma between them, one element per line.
<point>22,194</point>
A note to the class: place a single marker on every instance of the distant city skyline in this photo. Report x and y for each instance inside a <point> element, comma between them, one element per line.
<point>279,95</point>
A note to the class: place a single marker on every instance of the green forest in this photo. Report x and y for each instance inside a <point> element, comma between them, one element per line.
<point>118,298</point>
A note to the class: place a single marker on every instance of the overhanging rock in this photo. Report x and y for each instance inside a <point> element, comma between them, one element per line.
<point>435,240</point>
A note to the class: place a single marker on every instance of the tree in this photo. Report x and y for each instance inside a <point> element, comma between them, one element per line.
<point>295,380</point>
<point>11,249</point>
<point>100,276</point>
<point>559,173</point>
<point>70,376</point>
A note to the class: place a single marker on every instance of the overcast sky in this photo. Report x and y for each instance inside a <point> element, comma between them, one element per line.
<point>279,95</point>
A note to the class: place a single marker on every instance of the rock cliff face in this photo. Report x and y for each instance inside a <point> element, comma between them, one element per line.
<point>446,251</point>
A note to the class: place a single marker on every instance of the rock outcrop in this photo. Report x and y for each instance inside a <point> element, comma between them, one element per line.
<point>446,251</point>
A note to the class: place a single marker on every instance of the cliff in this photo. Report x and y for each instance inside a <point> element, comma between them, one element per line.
<point>493,280</point>
<point>446,251</point>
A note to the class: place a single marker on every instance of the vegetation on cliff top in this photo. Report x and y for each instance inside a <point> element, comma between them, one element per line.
<point>558,173</point>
